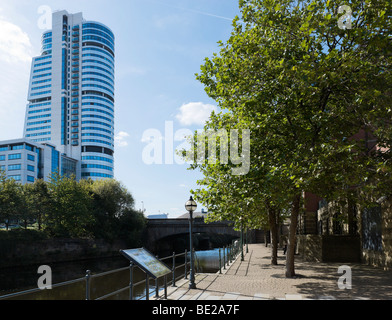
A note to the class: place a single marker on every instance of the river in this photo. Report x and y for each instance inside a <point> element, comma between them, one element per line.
<point>24,278</point>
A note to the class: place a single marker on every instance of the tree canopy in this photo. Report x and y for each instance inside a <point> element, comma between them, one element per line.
<point>313,94</point>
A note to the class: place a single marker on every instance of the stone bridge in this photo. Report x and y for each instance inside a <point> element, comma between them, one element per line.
<point>172,235</point>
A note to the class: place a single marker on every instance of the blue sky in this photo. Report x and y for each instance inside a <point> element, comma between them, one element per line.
<point>160,45</point>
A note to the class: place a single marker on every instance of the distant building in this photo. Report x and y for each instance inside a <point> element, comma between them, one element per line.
<point>158,216</point>
<point>26,161</point>
<point>201,214</point>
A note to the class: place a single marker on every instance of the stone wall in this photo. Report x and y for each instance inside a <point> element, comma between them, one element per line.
<point>329,248</point>
<point>382,256</point>
<point>14,254</point>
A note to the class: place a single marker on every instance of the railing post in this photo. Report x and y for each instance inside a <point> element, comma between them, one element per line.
<point>174,270</point>
<point>147,287</point>
<point>224,257</point>
<point>165,284</point>
<point>186,263</point>
<point>131,281</point>
<point>220,262</point>
<point>88,277</point>
<point>156,285</point>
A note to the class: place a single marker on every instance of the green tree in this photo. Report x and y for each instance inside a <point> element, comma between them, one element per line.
<point>111,201</point>
<point>70,201</point>
<point>10,196</point>
<point>304,86</point>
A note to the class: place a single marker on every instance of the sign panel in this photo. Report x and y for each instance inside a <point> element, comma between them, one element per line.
<point>147,262</point>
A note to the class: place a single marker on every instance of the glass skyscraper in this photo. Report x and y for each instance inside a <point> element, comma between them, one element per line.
<point>71,94</point>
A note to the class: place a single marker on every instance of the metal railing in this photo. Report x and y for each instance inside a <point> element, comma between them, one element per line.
<point>227,255</point>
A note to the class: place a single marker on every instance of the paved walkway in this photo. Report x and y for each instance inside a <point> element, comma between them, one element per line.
<point>256,279</point>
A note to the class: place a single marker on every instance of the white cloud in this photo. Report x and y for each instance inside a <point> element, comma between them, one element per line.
<point>195,113</point>
<point>15,45</point>
<point>120,139</point>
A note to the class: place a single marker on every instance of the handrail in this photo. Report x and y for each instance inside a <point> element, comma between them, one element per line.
<point>229,254</point>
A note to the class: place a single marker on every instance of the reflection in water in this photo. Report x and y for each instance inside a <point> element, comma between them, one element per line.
<point>19,279</point>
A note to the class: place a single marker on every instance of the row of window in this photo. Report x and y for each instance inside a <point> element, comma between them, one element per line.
<point>98,123</point>
<point>98,86</point>
<point>97,141</point>
<point>98,33</point>
<point>98,75</point>
<point>38,128</point>
<point>17,147</point>
<point>39,134</point>
<point>42,87</point>
<point>38,122</point>
<point>98,56</point>
<point>39,117</point>
<point>18,177</point>
<point>98,80</point>
<point>42,70</point>
<point>99,62</point>
<point>15,167</point>
<point>97,117</point>
<point>96,174</point>
<point>96,135</point>
<point>98,99</point>
<point>41,81</point>
<point>96,166</point>
<point>85,49</point>
<point>88,25</point>
<point>16,156</point>
<point>99,39</point>
<point>97,158</point>
<point>97,68</point>
<point>40,93</point>
<point>42,75</point>
<point>42,64</point>
<point>97,129</point>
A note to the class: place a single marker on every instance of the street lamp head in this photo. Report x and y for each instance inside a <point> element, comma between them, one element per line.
<point>191,205</point>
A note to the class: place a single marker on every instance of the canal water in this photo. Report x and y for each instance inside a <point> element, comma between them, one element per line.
<point>25,278</point>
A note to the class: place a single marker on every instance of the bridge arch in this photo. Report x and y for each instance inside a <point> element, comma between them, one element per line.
<point>172,235</point>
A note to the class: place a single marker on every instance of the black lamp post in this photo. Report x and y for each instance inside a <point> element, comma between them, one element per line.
<point>191,206</point>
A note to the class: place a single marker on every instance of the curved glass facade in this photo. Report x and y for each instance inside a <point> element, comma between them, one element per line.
<point>97,100</point>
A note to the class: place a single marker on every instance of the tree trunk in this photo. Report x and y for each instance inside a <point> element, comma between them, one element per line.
<point>274,235</point>
<point>290,269</point>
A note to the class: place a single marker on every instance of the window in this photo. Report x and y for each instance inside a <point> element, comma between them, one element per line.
<point>13,167</point>
<point>2,158</point>
<point>30,157</point>
<point>17,147</point>
<point>30,168</point>
<point>30,179</point>
<point>16,177</point>
<point>15,156</point>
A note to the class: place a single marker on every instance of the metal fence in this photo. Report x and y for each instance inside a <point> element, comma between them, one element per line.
<point>226,256</point>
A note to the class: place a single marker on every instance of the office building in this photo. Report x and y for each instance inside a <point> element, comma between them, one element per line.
<point>25,161</point>
<point>71,94</point>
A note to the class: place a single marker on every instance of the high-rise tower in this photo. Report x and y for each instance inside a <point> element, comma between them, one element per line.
<point>71,93</point>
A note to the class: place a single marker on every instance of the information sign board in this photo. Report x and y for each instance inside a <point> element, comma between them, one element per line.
<point>146,261</point>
